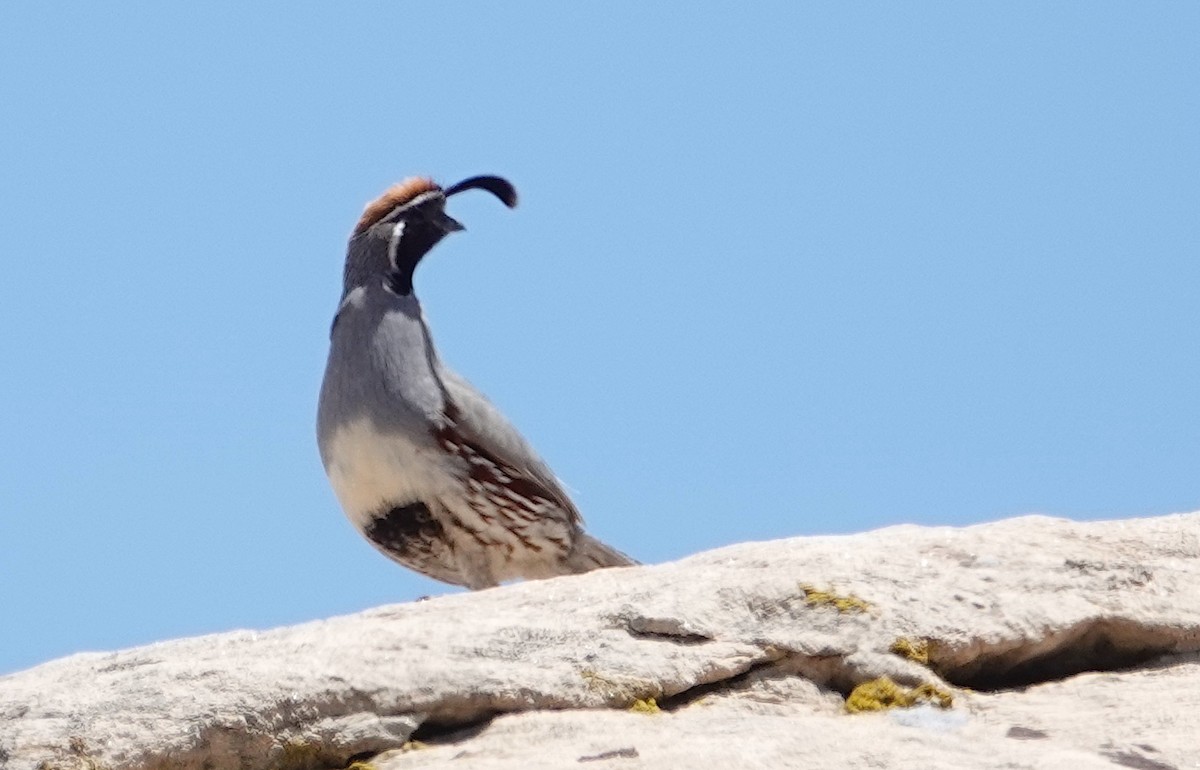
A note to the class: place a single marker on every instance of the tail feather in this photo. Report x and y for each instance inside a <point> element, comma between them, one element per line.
<point>589,554</point>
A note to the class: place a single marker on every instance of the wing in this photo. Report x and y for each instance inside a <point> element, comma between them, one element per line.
<point>497,454</point>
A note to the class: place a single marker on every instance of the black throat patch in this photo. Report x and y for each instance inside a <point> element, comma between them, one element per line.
<point>415,239</point>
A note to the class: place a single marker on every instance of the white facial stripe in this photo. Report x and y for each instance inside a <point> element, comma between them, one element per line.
<point>394,243</point>
<point>417,201</point>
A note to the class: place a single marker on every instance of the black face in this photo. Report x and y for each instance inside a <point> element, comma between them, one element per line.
<point>411,230</point>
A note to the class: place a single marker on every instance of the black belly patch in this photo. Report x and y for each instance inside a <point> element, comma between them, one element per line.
<point>411,535</point>
<point>405,528</point>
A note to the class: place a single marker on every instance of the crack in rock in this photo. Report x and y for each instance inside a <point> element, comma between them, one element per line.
<point>666,629</point>
<point>625,753</point>
<point>1136,761</point>
<point>1101,644</point>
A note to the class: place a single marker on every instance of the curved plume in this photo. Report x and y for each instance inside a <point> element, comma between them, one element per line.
<point>496,185</point>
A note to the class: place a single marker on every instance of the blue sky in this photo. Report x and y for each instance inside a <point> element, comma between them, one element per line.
<point>779,269</point>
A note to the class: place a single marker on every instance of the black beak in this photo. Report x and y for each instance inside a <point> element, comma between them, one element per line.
<point>448,223</point>
<point>496,185</point>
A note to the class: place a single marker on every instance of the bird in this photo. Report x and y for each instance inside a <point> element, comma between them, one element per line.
<point>422,463</point>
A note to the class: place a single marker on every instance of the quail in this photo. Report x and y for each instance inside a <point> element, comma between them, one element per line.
<point>429,471</point>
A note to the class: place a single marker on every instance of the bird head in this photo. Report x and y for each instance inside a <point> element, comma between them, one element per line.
<point>401,226</point>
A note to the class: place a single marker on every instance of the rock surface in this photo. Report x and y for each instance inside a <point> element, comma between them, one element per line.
<point>1062,645</point>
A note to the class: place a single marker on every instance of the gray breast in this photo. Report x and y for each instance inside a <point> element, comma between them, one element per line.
<point>379,400</point>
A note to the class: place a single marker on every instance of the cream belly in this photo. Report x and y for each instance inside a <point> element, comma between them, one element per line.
<point>371,470</point>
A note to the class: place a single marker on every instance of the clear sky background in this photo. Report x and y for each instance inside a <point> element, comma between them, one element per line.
<point>778,269</point>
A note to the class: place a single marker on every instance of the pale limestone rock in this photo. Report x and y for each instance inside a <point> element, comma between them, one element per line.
<point>750,651</point>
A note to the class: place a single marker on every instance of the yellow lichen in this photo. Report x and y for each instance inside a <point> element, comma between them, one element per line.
<point>881,694</point>
<point>916,650</point>
<point>618,688</point>
<point>645,706</point>
<point>361,766</point>
<point>815,597</point>
<point>938,696</point>
<point>414,746</point>
<point>301,755</point>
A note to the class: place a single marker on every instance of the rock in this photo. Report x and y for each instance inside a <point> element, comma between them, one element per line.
<point>1058,644</point>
